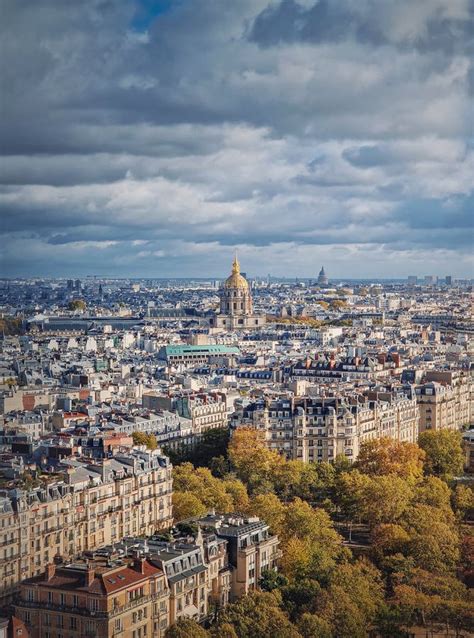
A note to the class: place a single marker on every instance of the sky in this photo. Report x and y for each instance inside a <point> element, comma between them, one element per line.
<point>153,138</point>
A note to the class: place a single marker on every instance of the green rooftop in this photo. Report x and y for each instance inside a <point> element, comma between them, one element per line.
<point>181,351</point>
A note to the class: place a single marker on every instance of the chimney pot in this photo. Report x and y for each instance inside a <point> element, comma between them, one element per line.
<point>50,570</point>
<point>90,575</point>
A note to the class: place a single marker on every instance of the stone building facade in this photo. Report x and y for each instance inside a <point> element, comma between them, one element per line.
<point>139,587</point>
<point>96,599</point>
<point>320,429</point>
<point>94,505</point>
<point>444,400</point>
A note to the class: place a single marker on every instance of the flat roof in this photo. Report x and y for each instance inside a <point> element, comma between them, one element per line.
<point>205,349</point>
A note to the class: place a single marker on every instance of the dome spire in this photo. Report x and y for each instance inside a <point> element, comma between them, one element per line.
<point>235,265</point>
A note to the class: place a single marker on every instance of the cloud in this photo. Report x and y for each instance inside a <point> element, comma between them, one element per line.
<point>168,133</point>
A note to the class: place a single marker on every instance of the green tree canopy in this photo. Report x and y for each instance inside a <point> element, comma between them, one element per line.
<point>77,304</point>
<point>258,615</point>
<point>444,454</point>
<point>186,628</point>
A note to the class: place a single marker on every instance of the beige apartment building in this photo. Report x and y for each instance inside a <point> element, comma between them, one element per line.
<point>114,595</point>
<point>251,550</point>
<point>93,504</point>
<point>203,410</point>
<point>444,400</point>
<point>314,429</point>
<point>96,599</point>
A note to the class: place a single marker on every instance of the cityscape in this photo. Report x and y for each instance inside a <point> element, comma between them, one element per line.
<point>236,319</point>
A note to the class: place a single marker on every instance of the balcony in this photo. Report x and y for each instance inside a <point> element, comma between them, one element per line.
<point>83,611</point>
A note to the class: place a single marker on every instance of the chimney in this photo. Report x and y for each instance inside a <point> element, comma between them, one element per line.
<point>90,575</point>
<point>139,564</point>
<point>50,571</point>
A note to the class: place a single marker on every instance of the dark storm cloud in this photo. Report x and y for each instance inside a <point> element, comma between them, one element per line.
<point>367,21</point>
<point>155,135</point>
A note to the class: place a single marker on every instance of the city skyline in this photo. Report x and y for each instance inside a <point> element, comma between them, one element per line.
<point>151,139</point>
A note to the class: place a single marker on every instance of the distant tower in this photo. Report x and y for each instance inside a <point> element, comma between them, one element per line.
<point>322,278</point>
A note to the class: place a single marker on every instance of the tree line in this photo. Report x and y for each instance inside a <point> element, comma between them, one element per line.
<point>413,570</point>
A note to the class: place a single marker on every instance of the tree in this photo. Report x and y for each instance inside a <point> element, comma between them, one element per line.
<point>434,541</point>
<point>444,454</point>
<point>310,544</point>
<point>434,492</point>
<point>463,501</point>
<point>301,597</point>
<point>270,509</point>
<point>342,614</point>
<point>212,443</point>
<point>425,597</point>
<point>77,304</point>
<point>185,628</point>
<point>224,630</point>
<point>238,492</point>
<point>312,626</point>
<point>349,490</point>
<point>224,495</point>
<point>254,464</point>
<point>384,499</point>
<point>387,456</point>
<point>270,580</point>
<point>387,539</point>
<point>338,305</point>
<point>142,438</point>
<point>352,600</point>
<point>258,615</point>
<point>363,583</point>
<point>186,505</point>
<point>11,326</point>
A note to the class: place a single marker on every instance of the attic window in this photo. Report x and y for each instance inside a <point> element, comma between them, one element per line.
<point>111,580</point>
<point>121,577</point>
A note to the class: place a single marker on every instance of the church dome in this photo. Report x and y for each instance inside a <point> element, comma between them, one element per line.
<point>236,280</point>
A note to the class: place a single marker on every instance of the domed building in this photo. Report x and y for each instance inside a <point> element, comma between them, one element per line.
<point>236,312</point>
<point>322,278</point>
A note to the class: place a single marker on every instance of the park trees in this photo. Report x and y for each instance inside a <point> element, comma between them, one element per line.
<point>186,628</point>
<point>259,615</point>
<point>254,464</point>
<point>444,454</point>
<point>197,490</point>
<point>386,456</point>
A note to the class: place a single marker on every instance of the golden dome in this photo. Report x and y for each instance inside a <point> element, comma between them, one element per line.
<point>236,280</point>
